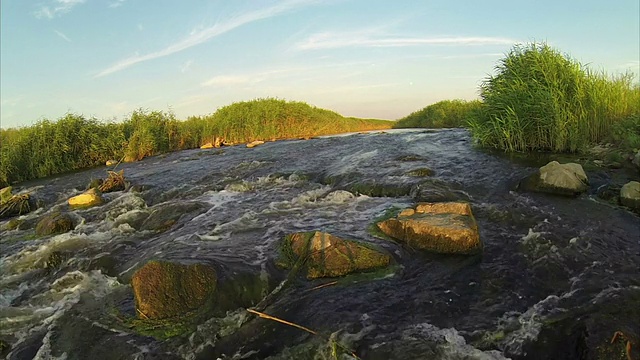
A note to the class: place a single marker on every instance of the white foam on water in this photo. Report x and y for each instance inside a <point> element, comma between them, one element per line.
<point>450,342</point>
<point>44,308</point>
<point>33,256</point>
<point>346,163</point>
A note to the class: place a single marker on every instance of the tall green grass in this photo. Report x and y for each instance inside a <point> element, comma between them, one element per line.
<point>74,142</point>
<point>540,99</point>
<point>443,114</point>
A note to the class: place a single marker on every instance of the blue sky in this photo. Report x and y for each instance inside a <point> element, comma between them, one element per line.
<point>364,58</point>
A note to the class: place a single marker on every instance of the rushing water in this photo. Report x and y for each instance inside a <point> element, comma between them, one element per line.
<point>558,276</point>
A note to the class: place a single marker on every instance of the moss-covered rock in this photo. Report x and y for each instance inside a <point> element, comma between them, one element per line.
<point>555,178</point>
<point>87,199</point>
<point>165,289</point>
<point>325,255</point>
<point>16,205</point>
<point>447,228</point>
<point>630,195</point>
<point>56,223</point>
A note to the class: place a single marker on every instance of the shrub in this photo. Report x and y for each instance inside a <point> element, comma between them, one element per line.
<point>541,99</point>
<point>443,114</point>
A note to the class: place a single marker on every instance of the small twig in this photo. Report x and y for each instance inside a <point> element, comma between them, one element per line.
<point>269,317</point>
<point>323,285</point>
<point>143,314</point>
<point>265,316</point>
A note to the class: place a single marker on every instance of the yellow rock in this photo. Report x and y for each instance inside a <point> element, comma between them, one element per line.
<point>5,194</point>
<point>255,143</point>
<point>111,162</point>
<point>87,199</point>
<point>207,146</point>
<point>447,228</point>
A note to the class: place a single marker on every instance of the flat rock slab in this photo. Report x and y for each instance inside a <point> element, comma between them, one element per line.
<point>325,255</point>
<point>447,228</point>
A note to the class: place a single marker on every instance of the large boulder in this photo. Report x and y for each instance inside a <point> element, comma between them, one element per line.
<point>325,255</point>
<point>630,195</point>
<point>56,223</point>
<point>555,178</point>
<point>165,289</point>
<point>87,199</point>
<point>447,228</point>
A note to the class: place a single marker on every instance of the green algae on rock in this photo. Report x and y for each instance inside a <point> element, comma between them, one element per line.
<point>56,223</point>
<point>325,255</point>
<point>165,289</point>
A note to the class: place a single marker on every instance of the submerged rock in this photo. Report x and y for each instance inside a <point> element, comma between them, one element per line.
<point>165,289</point>
<point>435,190</point>
<point>56,223</point>
<point>420,172</point>
<point>325,255</point>
<point>164,216</point>
<point>630,195</point>
<point>87,199</point>
<point>447,228</point>
<point>555,178</point>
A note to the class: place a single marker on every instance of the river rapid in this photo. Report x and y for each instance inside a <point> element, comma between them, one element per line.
<point>557,276</point>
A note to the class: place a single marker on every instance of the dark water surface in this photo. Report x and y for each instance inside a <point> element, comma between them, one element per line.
<point>558,276</point>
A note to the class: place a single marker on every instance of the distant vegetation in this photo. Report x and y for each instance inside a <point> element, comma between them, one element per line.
<point>443,114</point>
<point>75,142</point>
<point>542,100</point>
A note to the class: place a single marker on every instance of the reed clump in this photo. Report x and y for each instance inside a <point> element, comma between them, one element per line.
<point>540,99</point>
<point>443,114</point>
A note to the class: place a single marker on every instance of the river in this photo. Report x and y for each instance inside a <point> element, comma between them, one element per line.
<point>557,276</point>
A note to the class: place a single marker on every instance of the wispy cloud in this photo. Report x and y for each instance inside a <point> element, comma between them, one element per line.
<point>200,36</point>
<point>116,3</point>
<point>57,8</point>
<point>278,73</point>
<point>334,40</point>
<point>186,66</point>
<point>62,35</point>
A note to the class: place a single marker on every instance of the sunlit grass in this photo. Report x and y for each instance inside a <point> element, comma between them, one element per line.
<point>541,99</point>
<point>75,142</point>
<point>443,114</point>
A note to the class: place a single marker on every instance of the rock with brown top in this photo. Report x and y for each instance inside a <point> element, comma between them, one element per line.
<point>87,199</point>
<point>16,205</point>
<point>325,255</point>
<point>165,289</point>
<point>561,179</point>
<point>447,228</point>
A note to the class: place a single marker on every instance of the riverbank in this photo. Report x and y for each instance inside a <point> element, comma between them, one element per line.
<point>75,142</point>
